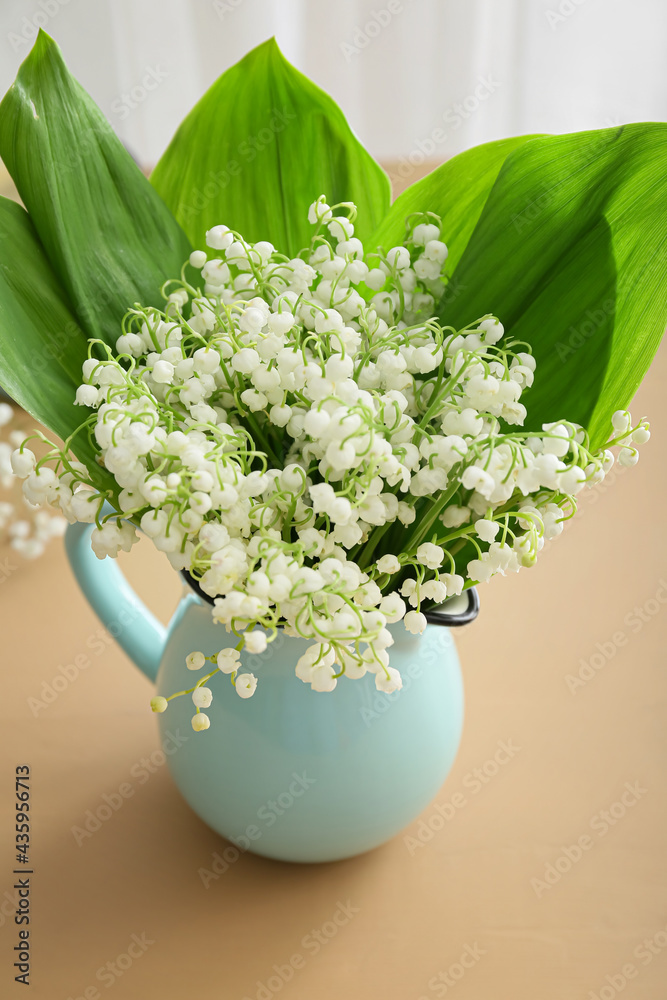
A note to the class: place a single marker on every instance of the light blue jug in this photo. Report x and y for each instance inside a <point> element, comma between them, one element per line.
<point>291,773</point>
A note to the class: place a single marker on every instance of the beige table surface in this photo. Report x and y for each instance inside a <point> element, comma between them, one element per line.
<point>493,883</point>
<point>477,884</point>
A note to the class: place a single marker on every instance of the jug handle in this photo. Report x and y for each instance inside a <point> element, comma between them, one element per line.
<point>133,626</point>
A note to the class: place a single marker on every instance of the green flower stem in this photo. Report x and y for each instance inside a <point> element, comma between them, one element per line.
<point>421,531</point>
<point>201,681</point>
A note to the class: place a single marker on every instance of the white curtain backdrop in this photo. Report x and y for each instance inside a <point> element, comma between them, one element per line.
<point>416,78</point>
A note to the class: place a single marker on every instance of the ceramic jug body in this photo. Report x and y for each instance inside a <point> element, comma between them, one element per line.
<point>291,773</point>
<point>301,775</point>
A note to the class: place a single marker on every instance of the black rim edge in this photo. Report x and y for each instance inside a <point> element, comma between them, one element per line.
<point>190,580</point>
<point>433,617</point>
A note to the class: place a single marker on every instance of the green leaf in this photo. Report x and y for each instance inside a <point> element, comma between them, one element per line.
<point>456,191</point>
<point>570,252</point>
<point>42,347</point>
<point>260,146</point>
<point>109,237</point>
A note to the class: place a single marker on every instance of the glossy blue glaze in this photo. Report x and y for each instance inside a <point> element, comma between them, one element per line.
<point>114,602</point>
<point>292,773</point>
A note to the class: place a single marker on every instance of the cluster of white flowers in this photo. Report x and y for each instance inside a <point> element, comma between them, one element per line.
<point>29,530</point>
<point>317,450</point>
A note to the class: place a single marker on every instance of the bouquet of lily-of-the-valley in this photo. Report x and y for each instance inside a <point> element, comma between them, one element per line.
<point>332,412</point>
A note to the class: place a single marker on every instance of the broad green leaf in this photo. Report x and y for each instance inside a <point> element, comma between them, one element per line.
<point>42,347</point>
<point>260,146</point>
<point>110,239</point>
<point>570,252</point>
<point>456,191</point>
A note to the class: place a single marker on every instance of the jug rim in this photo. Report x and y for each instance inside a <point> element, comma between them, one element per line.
<point>434,616</point>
